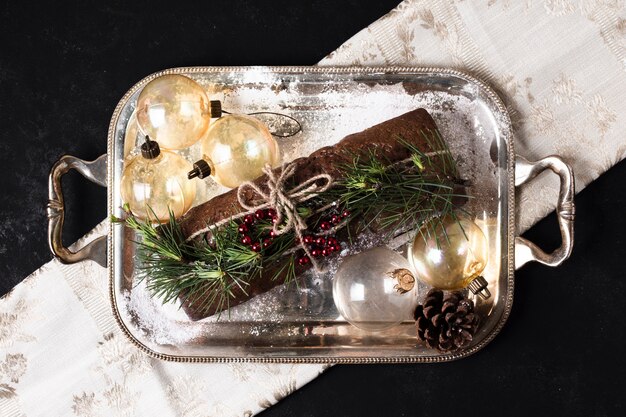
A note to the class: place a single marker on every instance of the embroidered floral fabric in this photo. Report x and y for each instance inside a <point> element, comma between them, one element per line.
<point>60,349</point>
<point>558,64</point>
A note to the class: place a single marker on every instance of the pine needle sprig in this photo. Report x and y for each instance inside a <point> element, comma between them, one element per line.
<point>398,196</point>
<point>440,158</point>
<point>207,272</point>
<point>166,241</point>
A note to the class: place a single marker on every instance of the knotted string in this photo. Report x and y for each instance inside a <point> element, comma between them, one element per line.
<point>285,201</point>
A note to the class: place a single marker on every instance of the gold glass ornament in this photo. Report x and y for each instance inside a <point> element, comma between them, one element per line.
<point>155,182</point>
<point>450,253</point>
<point>174,111</point>
<point>235,150</point>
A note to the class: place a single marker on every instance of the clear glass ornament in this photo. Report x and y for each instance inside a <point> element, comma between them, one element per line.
<point>375,290</point>
<point>448,253</point>
<point>155,185</point>
<point>174,111</point>
<point>236,148</point>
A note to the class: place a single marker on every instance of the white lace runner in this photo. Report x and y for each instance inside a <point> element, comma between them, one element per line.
<point>560,67</point>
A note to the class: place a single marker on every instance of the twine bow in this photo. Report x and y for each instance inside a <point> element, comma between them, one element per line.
<point>285,201</point>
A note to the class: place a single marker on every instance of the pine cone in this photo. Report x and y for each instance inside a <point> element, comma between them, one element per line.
<point>446,323</point>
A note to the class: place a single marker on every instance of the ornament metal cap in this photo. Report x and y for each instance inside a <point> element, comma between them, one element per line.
<point>215,108</point>
<point>478,286</point>
<point>150,149</point>
<point>201,169</point>
<point>404,278</point>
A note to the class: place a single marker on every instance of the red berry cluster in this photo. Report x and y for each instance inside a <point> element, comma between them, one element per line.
<point>323,246</point>
<point>246,227</point>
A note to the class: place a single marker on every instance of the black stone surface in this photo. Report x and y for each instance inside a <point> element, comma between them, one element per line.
<point>63,67</point>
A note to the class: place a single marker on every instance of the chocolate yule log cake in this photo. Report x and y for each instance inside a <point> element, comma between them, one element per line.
<point>381,138</point>
<point>384,180</point>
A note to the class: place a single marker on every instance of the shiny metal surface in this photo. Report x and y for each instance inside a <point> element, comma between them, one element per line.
<point>526,251</point>
<point>94,171</point>
<point>301,325</point>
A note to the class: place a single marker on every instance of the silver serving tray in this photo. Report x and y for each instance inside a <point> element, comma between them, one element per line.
<point>290,324</point>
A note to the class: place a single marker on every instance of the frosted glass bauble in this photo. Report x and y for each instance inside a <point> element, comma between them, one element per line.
<point>448,253</point>
<point>367,289</point>
<point>237,147</point>
<point>153,187</point>
<point>174,111</point>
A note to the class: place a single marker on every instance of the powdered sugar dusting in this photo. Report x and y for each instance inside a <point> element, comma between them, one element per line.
<point>162,323</point>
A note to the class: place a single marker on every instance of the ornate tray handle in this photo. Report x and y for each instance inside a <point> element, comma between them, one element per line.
<point>95,171</point>
<point>526,251</point>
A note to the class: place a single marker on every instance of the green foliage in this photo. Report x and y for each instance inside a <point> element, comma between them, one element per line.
<point>206,272</point>
<point>394,197</point>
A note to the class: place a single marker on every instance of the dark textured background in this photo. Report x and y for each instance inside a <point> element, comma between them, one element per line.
<point>63,67</point>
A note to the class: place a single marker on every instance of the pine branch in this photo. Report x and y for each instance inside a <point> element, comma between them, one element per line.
<point>399,196</point>
<point>204,272</point>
